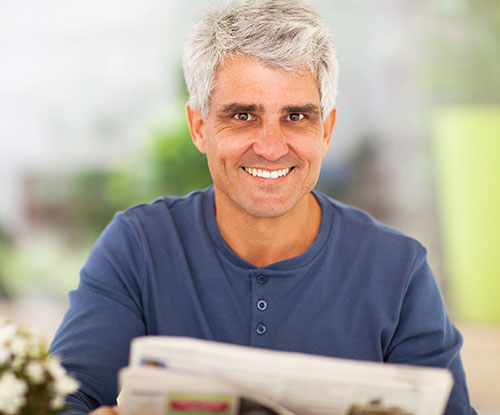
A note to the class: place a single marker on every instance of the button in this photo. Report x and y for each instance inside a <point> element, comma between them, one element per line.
<point>262,305</point>
<point>261,329</point>
<point>261,279</point>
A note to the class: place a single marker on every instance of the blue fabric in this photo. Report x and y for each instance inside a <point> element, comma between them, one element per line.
<point>361,291</point>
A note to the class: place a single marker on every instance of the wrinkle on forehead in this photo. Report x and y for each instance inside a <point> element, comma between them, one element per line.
<point>246,78</point>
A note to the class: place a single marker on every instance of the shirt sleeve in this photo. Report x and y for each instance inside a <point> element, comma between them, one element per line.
<point>104,315</point>
<point>425,335</point>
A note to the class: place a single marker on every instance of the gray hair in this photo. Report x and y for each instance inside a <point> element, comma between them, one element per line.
<point>286,34</point>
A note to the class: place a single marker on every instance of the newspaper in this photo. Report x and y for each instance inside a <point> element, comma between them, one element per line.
<point>185,376</point>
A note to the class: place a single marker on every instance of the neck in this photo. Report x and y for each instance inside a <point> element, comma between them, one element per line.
<point>264,241</point>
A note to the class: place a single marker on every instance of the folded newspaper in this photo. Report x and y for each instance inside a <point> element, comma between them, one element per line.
<point>185,376</point>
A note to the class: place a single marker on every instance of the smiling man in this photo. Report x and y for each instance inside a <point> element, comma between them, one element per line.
<point>264,137</point>
<point>259,258</point>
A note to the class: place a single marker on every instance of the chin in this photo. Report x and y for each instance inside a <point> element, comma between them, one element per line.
<point>268,210</point>
<point>267,214</point>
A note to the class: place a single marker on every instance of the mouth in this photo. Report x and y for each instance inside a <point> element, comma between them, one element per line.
<point>268,174</point>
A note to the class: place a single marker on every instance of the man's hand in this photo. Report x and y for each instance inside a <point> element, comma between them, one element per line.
<point>105,410</point>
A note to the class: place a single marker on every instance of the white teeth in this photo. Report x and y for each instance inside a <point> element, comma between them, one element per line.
<point>267,174</point>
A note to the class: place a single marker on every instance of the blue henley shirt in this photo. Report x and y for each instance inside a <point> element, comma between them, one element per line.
<point>361,291</point>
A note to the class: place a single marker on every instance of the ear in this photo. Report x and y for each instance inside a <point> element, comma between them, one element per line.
<point>328,125</point>
<point>196,125</point>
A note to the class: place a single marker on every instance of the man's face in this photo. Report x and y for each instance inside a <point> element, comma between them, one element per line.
<point>264,137</point>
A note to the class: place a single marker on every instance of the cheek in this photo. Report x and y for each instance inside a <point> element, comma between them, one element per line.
<point>229,148</point>
<point>309,148</point>
<point>221,156</point>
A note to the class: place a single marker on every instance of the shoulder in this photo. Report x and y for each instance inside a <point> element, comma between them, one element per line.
<point>358,227</point>
<point>167,207</point>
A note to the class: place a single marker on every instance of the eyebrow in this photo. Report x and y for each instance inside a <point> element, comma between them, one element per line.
<point>307,109</point>
<point>234,108</point>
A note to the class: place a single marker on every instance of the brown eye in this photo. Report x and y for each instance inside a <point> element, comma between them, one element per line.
<point>243,116</point>
<point>295,117</point>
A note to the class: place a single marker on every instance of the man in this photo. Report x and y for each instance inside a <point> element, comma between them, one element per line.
<point>260,258</point>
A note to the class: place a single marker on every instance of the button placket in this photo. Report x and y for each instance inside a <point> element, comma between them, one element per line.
<point>260,305</point>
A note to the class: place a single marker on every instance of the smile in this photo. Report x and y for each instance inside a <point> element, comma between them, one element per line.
<point>268,174</point>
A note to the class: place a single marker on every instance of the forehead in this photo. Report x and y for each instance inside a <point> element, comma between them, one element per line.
<point>247,80</point>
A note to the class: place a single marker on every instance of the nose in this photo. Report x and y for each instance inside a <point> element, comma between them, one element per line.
<point>270,142</point>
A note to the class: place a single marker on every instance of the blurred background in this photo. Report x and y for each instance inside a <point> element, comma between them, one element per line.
<point>92,121</point>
